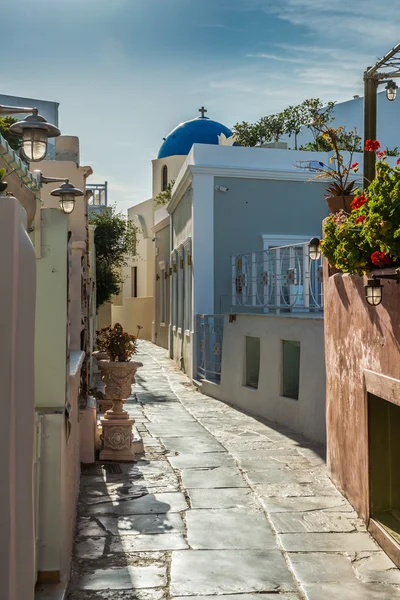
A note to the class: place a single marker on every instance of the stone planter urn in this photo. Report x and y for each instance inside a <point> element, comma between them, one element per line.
<point>116,424</point>
<point>103,404</point>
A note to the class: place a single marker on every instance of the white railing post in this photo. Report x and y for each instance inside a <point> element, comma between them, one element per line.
<point>306,276</point>
<point>254,278</point>
<point>234,280</point>
<point>278,279</point>
<point>205,344</point>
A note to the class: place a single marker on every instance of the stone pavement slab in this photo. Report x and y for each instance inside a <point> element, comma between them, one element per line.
<point>220,477</point>
<point>271,596</point>
<point>125,578</point>
<point>176,429</point>
<point>192,445</point>
<point>229,572</point>
<point>311,567</point>
<point>313,522</point>
<point>132,525</point>
<point>311,503</point>
<point>228,529</point>
<point>222,498</point>
<point>328,542</point>
<point>350,591</point>
<point>147,543</point>
<point>201,460</point>
<point>150,504</point>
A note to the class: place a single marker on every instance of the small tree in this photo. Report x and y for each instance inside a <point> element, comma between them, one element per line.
<point>165,196</point>
<point>115,238</point>
<point>15,141</point>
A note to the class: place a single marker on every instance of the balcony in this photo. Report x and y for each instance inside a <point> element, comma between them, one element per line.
<point>278,281</point>
<point>98,200</point>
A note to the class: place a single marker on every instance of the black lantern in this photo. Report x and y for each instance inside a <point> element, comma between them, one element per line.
<point>67,193</point>
<point>35,132</point>
<point>314,249</point>
<point>391,90</point>
<point>373,291</point>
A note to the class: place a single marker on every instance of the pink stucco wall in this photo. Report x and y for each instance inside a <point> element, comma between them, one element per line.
<point>357,337</point>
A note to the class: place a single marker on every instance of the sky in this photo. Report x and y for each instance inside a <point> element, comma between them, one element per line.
<point>126,72</point>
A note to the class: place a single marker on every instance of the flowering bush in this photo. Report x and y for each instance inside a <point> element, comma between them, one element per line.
<point>369,236</point>
<point>119,345</point>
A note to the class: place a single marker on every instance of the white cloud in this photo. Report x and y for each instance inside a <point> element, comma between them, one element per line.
<point>275,57</point>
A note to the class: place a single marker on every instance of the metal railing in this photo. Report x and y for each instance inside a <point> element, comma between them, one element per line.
<point>209,334</point>
<point>279,280</point>
<point>99,197</point>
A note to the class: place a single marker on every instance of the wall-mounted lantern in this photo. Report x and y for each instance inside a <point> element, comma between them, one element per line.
<point>34,130</point>
<point>67,194</point>
<point>314,248</point>
<point>374,289</point>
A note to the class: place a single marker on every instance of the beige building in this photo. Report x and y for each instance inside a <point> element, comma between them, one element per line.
<point>47,321</point>
<point>148,271</point>
<point>133,307</point>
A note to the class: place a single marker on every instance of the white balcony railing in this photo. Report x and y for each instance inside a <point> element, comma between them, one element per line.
<point>279,280</point>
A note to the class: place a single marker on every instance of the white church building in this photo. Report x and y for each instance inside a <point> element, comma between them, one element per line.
<point>226,200</point>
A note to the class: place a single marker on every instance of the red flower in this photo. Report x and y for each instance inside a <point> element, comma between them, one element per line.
<point>381,154</point>
<point>398,161</point>
<point>354,165</point>
<point>358,202</point>
<point>380,257</point>
<point>372,145</point>
<point>361,219</point>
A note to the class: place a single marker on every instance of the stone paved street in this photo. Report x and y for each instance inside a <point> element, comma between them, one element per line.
<point>221,504</point>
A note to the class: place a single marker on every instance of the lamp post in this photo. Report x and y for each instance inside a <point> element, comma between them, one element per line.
<point>34,130</point>
<point>373,77</point>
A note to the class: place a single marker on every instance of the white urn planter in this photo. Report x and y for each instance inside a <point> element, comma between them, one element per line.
<point>104,404</point>
<point>116,424</point>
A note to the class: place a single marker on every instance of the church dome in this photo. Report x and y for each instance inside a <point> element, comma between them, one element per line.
<point>201,130</point>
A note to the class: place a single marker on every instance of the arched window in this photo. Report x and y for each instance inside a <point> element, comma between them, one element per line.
<point>164,178</point>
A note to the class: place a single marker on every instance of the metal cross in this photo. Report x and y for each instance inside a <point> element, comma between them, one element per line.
<point>203,111</point>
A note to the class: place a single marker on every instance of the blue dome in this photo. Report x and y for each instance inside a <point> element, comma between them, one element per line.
<point>197,131</point>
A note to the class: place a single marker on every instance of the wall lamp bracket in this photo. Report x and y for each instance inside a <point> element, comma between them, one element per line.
<point>374,288</point>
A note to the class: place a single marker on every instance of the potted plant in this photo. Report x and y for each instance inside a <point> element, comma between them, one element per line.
<point>367,237</point>
<point>118,374</point>
<point>119,346</point>
<point>340,191</point>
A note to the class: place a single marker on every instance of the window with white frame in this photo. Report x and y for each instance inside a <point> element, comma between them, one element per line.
<point>174,289</point>
<point>187,324</point>
<point>181,268</point>
<point>163,294</point>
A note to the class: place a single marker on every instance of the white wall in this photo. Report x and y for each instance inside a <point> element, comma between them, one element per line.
<point>142,216</point>
<point>305,415</point>
<point>17,317</point>
<point>174,164</point>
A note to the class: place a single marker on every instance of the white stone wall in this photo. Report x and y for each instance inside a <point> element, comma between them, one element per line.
<point>305,415</point>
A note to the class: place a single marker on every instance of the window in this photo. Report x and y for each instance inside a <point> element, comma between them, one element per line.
<point>163,294</point>
<point>181,267</point>
<point>174,283</point>
<point>290,369</point>
<point>187,325</point>
<point>164,178</point>
<point>134,286</point>
<point>252,364</point>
